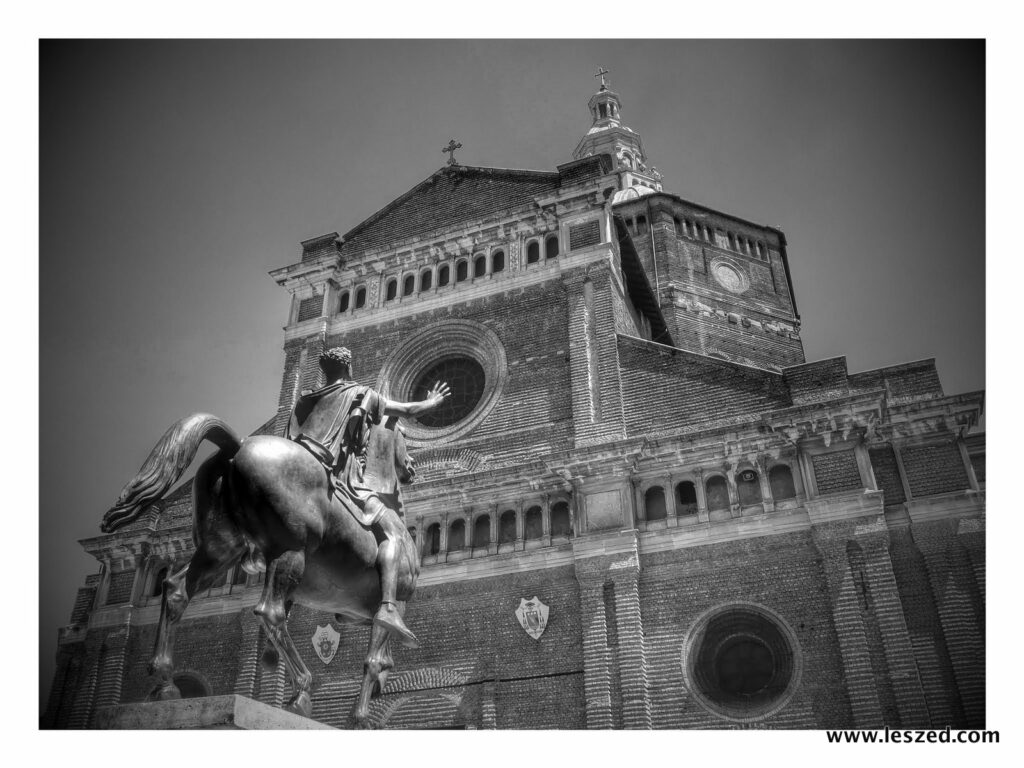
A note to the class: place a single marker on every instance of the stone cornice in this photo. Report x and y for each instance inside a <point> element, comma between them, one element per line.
<point>443,298</point>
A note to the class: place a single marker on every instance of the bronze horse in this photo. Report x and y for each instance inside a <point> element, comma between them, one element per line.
<point>263,503</point>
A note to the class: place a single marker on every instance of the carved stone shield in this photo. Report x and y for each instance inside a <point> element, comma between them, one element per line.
<point>325,642</point>
<point>533,615</point>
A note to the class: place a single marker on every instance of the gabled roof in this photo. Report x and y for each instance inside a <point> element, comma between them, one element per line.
<point>456,194</point>
<point>451,195</point>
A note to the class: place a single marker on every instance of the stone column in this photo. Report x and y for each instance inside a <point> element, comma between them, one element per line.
<point>767,500</point>
<point>671,508</point>
<point>702,498</point>
<point>546,519</point>
<point>867,472</point>
<point>638,502</point>
<point>971,477</point>
<point>734,495</point>
<point>520,525</point>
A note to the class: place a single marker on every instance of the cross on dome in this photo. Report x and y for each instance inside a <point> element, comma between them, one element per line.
<point>601,72</point>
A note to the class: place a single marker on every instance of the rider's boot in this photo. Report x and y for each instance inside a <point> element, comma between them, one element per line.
<point>388,616</point>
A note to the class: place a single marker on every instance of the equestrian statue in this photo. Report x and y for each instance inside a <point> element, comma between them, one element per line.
<point>320,511</point>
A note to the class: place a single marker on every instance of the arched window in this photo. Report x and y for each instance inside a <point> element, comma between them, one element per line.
<point>498,261</point>
<point>760,250</point>
<point>654,504</point>
<point>392,290</point>
<point>442,276</point>
<point>533,252</point>
<point>533,524</point>
<point>551,247</point>
<point>461,271</point>
<point>780,478</point>
<point>561,525</point>
<point>732,242</point>
<point>433,542</point>
<point>603,110</point>
<point>717,493</point>
<point>158,583</point>
<point>426,280</point>
<point>507,527</point>
<point>479,265</point>
<point>482,531</point>
<point>360,297</point>
<point>748,485</point>
<point>343,302</point>
<point>457,536</point>
<point>686,498</point>
<point>409,285</point>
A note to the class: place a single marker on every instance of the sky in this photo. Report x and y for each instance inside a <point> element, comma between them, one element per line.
<point>175,174</point>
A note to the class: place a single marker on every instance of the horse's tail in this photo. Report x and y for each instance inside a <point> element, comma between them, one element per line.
<point>167,462</point>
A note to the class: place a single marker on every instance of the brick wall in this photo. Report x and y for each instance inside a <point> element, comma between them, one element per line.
<point>534,412</point>
<point>781,573</point>
<point>836,471</point>
<point>120,589</point>
<point>311,307</point>
<point>664,391</point>
<point>934,469</point>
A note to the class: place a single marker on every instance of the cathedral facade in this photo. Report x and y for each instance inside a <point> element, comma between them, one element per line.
<point>641,508</point>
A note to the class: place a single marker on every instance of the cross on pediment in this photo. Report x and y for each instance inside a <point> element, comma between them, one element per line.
<point>601,72</point>
<point>450,149</point>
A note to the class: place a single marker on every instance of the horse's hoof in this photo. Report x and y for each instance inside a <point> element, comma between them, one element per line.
<point>361,723</point>
<point>301,704</point>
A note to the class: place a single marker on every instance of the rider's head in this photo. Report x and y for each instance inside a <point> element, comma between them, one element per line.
<point>336,363</point>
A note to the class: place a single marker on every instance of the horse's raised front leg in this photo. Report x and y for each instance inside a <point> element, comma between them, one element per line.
<point>376,667</point>
<point>200,574</point>
<point>283,577</point>
<point>172,604</point>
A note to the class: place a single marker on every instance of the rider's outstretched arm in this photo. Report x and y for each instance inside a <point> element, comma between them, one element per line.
<point>435,397</point>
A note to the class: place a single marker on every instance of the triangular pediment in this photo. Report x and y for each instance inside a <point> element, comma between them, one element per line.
<point>452,196</point>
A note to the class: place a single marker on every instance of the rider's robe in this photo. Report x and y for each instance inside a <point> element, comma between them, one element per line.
<point>333,423</point>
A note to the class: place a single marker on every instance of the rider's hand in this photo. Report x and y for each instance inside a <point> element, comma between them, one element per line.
<point>438,393</point>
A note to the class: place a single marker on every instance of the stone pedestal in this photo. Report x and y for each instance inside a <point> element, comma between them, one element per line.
<point>207,713</point>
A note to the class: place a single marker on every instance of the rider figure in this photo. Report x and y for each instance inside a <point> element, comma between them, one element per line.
<point>333,424</point>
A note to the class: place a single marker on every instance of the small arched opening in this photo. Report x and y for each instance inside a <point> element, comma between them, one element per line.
<point>533,252</point>
<point>457,536</point>
<point>507,527</point>
<point>780,478</point>
<point>686,498</point>
<point>433,543</point>
<point>748,486</point>
<point>533,523</point>
<point>717,493</point>
<point>561,523</point>
<point>482,531</point>
<point>654,504</point>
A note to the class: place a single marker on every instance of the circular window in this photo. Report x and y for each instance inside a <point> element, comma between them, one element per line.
<point>465,376</point>
<point>742,662</point>
<point>729,277</point>
<point>468,356</point>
